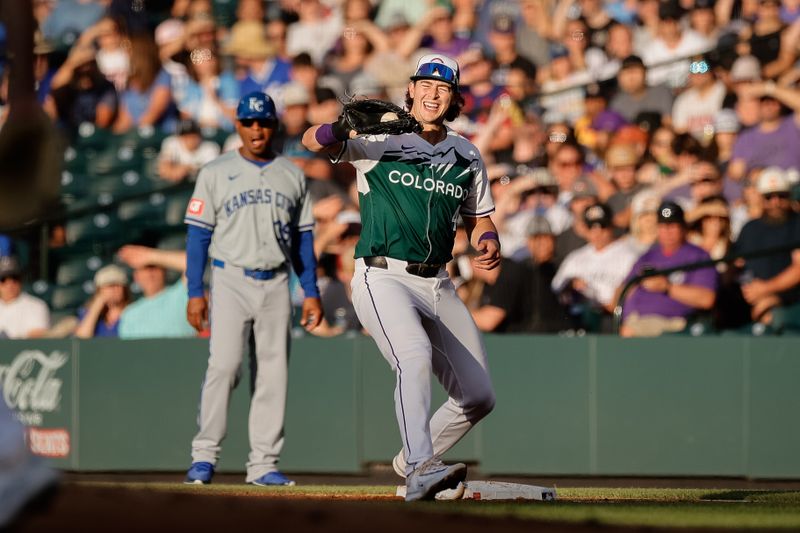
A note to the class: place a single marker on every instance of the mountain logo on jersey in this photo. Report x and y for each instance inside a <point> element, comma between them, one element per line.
<point>196,206</point>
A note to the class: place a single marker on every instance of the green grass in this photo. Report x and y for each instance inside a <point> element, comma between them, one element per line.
<point>720,508</point>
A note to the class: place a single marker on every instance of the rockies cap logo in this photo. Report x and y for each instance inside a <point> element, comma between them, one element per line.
<point>436,70</point>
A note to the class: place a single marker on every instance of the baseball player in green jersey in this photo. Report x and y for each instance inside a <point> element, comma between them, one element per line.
<point>251,211</point>
<point>412,189</point>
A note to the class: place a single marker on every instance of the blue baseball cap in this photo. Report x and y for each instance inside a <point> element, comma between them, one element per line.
<point>256,105</point>
<point>437,67</point>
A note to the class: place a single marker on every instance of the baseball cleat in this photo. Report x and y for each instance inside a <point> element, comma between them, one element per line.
<point>273,479</point>
<point>431,477</point>
<point>451,494</point>
<point>399,464</point>
<point>200,473</point>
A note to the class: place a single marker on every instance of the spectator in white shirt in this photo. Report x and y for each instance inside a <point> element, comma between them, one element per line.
<point>22,316</point>
<point>694,110</point>
<point>664,57</point>
<point>183,154</point>
<point>590,275</point>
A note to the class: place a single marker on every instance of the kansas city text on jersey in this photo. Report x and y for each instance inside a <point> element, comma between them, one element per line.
<point>257,196</point>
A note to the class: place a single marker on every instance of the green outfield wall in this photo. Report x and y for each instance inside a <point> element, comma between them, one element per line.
<point>674,406</point>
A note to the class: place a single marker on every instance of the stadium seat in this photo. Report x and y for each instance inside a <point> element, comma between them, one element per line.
<point>127,183</point>
<point>77,269</point>
<point>148,212</point>
<point>75,161</point>
<point>176,208</point>
<point>175,240</point>
<point>41,289</point>
<point>96,227</point>
<point>70,297</point>
<point>90,136</point>
<point>73,185</point>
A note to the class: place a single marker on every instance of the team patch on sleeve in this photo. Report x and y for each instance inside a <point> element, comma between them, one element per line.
<point>196,206</point>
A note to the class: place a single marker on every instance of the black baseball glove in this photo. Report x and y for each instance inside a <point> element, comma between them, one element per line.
<point>375,117</point>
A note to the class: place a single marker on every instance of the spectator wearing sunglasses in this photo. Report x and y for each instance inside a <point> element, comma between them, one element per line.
<point>774,140</point>
<point>22,316</point>
<point>771,284</point>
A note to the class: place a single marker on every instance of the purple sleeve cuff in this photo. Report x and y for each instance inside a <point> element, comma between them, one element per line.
<point>325,136</point>
<point>488,235</point>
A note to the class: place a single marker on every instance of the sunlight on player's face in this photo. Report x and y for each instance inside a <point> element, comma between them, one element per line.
<point>431,100</point>
<point>255,135</point>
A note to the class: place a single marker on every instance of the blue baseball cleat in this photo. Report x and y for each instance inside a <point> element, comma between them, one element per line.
<point>273,479</point>
<point>199,473</point>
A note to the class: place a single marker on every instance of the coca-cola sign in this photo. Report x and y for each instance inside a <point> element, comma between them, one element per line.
<point>30,386</point>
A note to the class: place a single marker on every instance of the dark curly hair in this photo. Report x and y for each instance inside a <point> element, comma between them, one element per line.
<point>452,112</point>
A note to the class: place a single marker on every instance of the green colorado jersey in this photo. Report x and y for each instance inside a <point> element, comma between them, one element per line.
<point>411,193</point>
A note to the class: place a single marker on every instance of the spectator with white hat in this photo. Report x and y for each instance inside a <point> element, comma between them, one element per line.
<point>643,222</point>
<point>100,316</point>
<point>772,286</point>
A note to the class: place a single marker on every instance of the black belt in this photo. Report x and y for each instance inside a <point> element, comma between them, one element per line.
<point>423,270</point>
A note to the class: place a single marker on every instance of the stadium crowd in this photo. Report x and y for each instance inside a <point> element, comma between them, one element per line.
<point>620,137</point>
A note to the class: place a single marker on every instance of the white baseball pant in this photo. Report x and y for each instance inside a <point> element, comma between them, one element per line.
<point>421,326</point>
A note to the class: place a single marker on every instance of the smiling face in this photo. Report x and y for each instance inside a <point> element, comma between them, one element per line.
<point>431,99</point>
<point>256,134</point>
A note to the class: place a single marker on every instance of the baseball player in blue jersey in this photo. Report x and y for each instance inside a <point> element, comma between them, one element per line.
<point>251,213</point>
<point>412,188</point>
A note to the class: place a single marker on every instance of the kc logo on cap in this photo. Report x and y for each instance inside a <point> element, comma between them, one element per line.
<point>256,104</point>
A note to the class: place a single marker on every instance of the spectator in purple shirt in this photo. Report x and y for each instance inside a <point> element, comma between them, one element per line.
<point>774,140</point>
<point>663,304</point>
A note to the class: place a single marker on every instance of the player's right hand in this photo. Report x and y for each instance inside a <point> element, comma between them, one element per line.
<point>197,312</point>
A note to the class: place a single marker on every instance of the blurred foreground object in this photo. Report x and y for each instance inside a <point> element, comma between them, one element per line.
<point>29,146</point>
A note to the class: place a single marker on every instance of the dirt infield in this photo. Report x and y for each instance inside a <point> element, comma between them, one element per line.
<point>80,508</point>
<point>159,502</point>
<point>104,509</point>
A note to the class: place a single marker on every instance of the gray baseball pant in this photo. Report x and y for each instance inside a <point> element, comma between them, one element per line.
<point>238,303</point>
